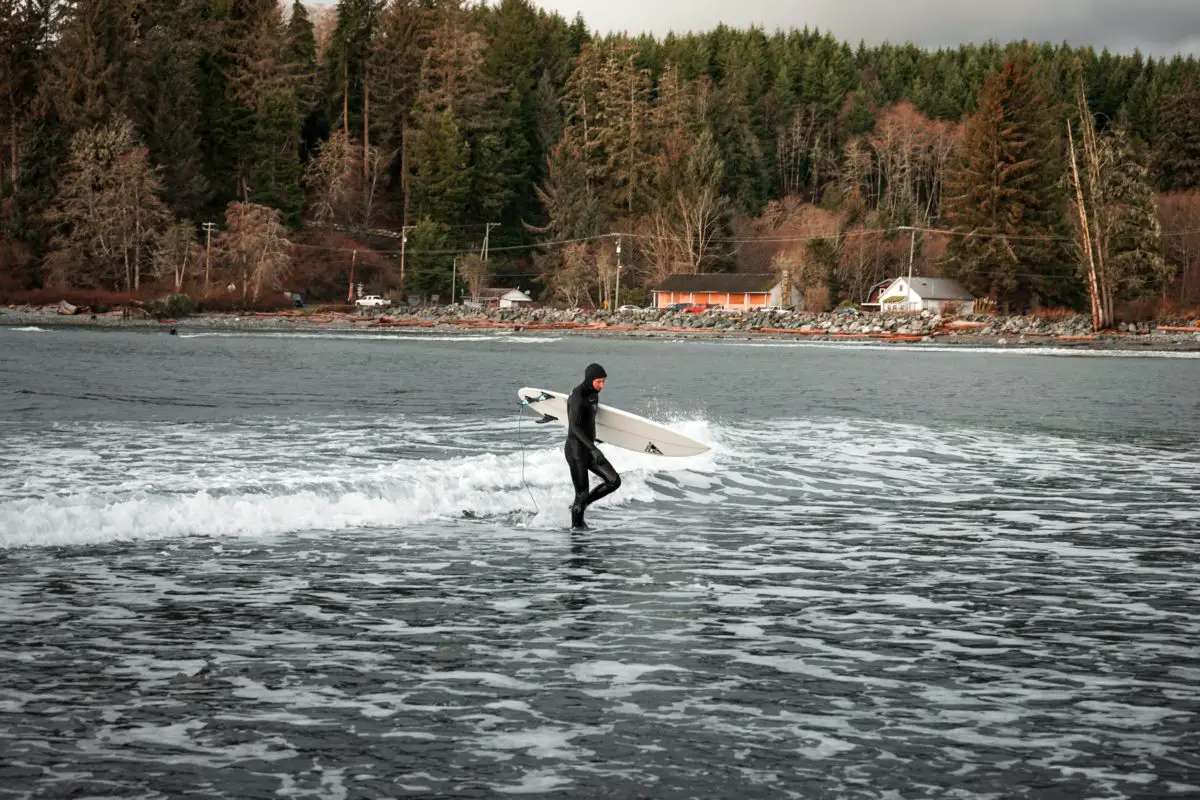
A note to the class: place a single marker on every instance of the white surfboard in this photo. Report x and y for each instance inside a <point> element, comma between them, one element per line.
<point>616,427</point>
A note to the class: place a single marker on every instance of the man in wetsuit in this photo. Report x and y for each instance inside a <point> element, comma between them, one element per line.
<point>582,454</point>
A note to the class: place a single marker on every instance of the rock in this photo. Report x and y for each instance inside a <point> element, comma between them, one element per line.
<point>1002,341</point>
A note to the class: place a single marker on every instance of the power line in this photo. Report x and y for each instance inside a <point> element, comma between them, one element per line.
<point>846,235</point>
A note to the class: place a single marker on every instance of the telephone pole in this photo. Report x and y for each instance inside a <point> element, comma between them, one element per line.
<point>912,248</point>
<point>486,235</point>
<point>403,241</point>
<point>617,298</point>
<point>209,227</point>
<point>453,280</point>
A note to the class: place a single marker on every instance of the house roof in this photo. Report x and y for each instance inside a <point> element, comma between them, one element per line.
<point>738,282</point>
<point>939,289</point>
<point>502,293</point>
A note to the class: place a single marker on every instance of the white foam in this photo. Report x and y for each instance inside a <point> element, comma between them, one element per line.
<point>27,329</point>
<point>397,336</point>
<point>250,502</point>
<point>968,349</point>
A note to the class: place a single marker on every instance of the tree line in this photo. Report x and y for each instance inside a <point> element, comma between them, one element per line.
<point>1054,175</point>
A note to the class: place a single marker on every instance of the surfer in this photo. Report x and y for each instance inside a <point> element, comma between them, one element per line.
<point>582,454</point>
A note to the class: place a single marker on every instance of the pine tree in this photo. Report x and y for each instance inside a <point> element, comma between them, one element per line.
<point>301,58</point>
<point>1004,198</point>
<point>572,208</point>
<point>623,127</point>
<point>26,34</point>
<point>1177,156</point>
<point>165,76</point>
<point>1134,233</point>
<point>441,182</point>
<point>1118,231</point>
<point>263,88</point>
<point>348,63</point>
<point>88,72</point>
<point>430,266</point>
<point>503,156</point>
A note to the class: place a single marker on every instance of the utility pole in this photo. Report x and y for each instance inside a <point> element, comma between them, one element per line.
<point>453,280</point>
<point>209,227</point>
<point>617,299</point>
<point>912,248</point>
<point>486,235</point>
<point>403,241</point>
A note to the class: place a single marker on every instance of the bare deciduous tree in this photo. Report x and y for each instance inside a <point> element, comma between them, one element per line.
<point>571,280</point>
<point>108,210</point>
<point>330,178</point>
<point>177,253</point>
<point>254,247</point>
<point>475,272</point>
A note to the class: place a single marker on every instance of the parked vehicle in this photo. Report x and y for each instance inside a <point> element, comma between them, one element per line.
<point>629,309</point>
<point>372,301</point>
<point>676,306</point>
<point>700,308</point>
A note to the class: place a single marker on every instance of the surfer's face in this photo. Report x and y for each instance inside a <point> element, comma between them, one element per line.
<point>598,384</point>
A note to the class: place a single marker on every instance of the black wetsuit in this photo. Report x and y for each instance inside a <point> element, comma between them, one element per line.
<point>582,454</point>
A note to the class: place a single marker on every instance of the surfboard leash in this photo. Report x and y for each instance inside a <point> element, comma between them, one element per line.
<point>521,439</point>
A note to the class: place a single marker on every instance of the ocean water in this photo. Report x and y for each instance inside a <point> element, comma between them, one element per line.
<point>337,566</point>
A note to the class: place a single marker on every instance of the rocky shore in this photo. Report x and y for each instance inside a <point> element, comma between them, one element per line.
<point>845,324</point>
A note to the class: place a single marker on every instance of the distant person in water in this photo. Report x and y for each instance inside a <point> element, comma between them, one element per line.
<point>582,454</point>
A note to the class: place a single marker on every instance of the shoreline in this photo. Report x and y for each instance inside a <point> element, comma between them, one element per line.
<point>954,334</point>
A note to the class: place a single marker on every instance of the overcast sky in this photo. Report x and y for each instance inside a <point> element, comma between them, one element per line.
<point>1158,27</point>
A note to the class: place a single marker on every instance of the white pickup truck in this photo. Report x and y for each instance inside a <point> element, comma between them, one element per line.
<point>372,301</point>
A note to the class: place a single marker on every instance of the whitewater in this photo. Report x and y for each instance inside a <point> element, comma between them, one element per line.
<point>339,566</point>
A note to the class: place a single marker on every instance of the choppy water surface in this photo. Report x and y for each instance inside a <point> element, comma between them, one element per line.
<point>239,567</point>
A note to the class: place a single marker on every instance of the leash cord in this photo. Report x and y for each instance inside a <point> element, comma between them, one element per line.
<point>521,439</point>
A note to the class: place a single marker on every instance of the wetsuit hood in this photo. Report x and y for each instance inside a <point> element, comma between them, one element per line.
<point>590,374</point>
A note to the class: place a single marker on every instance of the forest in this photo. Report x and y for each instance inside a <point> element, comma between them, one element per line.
<point>245,148</point>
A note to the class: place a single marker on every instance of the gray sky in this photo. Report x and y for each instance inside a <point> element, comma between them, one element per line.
<point>1158,27</point>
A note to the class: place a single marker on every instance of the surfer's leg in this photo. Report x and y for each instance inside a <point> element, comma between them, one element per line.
<point>579,476</point>
<point>604,470</point>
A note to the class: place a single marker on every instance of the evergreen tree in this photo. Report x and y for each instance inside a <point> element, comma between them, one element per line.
<point>1177,156</point>
<point>348,62</point>
<point>430,266</point>
<point>26,33</point>
<point>572,208</point>
<point>623,127</point>
<point>503,157</point>
<point>440,181</point>
<point>301,58</point>
<point>1133,231</point>
<point>263,87</point>
<point>165,77</point>
<point>87,79</point>
<point>1004,198</point>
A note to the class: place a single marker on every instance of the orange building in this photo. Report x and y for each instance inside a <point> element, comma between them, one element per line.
<point>737,291</point>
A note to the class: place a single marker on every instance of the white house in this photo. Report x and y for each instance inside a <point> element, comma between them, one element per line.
<point>504,298</point>
<point>515,298</point>
<point>939,295</point>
